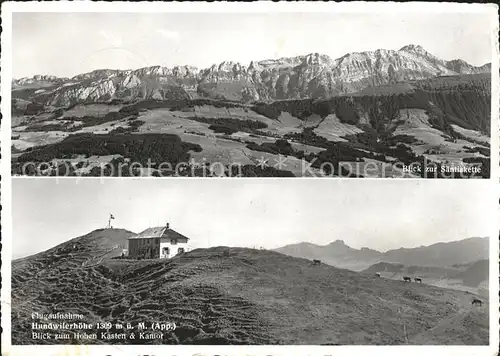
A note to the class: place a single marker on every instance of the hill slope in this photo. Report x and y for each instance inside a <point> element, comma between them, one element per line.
<point>441,123</point>
<point>233,296</point>
<point>475,273</point>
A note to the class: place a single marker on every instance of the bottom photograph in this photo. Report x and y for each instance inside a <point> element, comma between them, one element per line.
<point>250,262</point>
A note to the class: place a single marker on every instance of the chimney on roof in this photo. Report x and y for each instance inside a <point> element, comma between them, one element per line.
<point>168,226</point>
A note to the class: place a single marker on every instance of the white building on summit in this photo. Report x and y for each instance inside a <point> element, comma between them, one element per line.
<point>157,242</point>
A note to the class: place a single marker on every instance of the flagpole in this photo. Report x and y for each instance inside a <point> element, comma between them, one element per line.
<point>111,217</point>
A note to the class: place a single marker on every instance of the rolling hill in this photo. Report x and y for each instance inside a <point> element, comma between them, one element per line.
<point>473,277</point>
<point>475,274</point>
<point>366,114</point>
<point>224,295</point>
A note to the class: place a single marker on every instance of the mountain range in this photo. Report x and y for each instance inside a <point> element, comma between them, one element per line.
<point>443,254</point>
<point>309,76</point>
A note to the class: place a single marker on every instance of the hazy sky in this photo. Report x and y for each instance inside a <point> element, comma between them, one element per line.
<point>66,44</point>
<point>380,214</point>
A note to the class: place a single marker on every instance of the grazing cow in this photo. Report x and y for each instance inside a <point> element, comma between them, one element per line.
<point>407,279</point>
<point>377,274</point>
<point>316,262</point>
<point>417,279</point>
<point>477,301</point>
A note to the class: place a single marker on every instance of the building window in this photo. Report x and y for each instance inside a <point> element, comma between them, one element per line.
<point>173,242</point>
<point>166,251</point>
<point>180,250</point>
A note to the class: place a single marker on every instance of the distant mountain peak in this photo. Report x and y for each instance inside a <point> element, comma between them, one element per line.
<point>317,59</point>
<point>413,48</point>
<point>338,243</point>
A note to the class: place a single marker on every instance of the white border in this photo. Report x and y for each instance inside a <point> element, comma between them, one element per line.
<point>489,10</point>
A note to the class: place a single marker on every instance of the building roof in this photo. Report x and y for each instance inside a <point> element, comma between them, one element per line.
<point>161,231</point>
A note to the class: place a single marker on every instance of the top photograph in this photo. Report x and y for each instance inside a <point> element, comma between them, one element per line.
<point>266,94</point>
